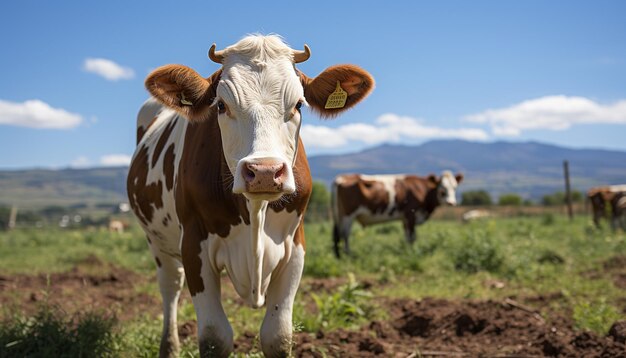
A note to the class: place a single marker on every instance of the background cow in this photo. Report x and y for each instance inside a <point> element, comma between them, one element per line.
<point>373,199</point>
<point>220,181</point>
<point>613,196</point>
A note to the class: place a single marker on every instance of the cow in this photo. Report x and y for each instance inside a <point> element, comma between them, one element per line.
<point>618,208</point>
<point>220,182</point>
<point>117,226</point>
<point>373,199</point>
<point>599,197</point>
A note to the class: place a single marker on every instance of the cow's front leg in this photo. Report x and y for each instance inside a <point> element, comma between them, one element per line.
<point>409,227</point>
<point>277,327</point>
<point>215,335</point>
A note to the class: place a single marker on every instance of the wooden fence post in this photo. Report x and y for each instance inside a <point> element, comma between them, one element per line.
<point>568,194</point>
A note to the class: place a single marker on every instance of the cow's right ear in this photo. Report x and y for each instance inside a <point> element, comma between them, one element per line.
<point>182,89</point>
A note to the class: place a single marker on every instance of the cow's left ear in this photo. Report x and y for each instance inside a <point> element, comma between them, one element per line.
<point>183,89</point>
<point>337,89</point>
<point>459,178</point>
<point>433,179</point>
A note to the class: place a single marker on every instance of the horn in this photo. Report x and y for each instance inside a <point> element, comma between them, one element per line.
<point>216,56</point>
<point>301,56</point>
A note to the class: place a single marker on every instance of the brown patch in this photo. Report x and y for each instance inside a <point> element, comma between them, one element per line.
<point>158,262</point>
<point>165,135</point>
<point>354,191</point>
<point>299,200</point>
<point>298,238</point>
<point>143,197</point>
<point>140,132</point>
<point>415,194</point>
<point>165,221</point>
<point>168,167</point>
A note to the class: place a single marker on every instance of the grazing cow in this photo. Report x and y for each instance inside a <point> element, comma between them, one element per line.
<point>220,181</point>
<point>373,199</point>
<point>618,208</point>
<point>600,196</point>
<point>117,226</point>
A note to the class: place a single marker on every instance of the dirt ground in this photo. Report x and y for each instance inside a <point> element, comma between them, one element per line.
<point>424,328</point>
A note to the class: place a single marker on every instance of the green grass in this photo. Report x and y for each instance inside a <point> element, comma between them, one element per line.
<point>530,256</point>
<point>55,250</point>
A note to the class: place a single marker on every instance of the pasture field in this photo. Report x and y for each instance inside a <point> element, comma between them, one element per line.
<point>532,286</point>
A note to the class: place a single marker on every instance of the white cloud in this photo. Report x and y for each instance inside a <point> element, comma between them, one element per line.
<point>551,113</point>
<point>80,162</point>
<point>388,128</point>
<point>108,69</point>
<point>37,114</point>
<point>115,160</point>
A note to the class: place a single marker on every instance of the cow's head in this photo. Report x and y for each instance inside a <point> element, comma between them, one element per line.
<point>257,98</point>
<point>446,187</point>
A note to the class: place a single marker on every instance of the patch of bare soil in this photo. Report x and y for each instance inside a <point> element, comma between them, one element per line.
<point>91,285</point>
<point>425,328</point>
<point>440,328</point>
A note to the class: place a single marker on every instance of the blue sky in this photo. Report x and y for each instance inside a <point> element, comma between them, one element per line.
<point>553,71</point>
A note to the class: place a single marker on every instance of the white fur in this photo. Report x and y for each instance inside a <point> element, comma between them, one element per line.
<point>260,88</point>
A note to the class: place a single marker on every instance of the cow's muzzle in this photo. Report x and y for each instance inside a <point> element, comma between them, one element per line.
<point>265,177</point>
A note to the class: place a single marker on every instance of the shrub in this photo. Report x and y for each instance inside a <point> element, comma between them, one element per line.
<point>345,308</point>
<point>476,197</point>
<point>475,253</point>
<point>510,199</point>
<point>49,334</point>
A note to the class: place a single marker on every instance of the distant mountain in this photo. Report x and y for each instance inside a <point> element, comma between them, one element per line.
<point>37,188</point>
<point>530,169</point>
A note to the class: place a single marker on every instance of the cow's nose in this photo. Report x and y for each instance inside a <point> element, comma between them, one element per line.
<point>264,176</point>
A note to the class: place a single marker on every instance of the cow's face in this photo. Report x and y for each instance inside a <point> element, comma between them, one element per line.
<point>446,190</point>
<point>259,103</point>
<point>257,98</point>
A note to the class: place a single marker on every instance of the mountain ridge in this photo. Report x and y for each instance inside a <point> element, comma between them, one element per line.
<point>531,169</point>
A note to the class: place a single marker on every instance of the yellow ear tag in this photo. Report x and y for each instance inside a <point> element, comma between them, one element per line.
<point>337,99</point>
<point>184,101</point>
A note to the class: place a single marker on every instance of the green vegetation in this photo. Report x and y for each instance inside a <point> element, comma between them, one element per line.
<point>558,198</point>
<point>348,307</point>
<point>476,198</point>
<point>529,257</point>
<point>50,334</point>
<point>510,200</point>
<point>596,316</point>
<point>319,203</point>
<point>54,250</point>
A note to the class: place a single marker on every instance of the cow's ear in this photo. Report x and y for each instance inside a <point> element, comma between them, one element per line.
<point>433,179</point>
<point>337,89</point>
<point>183,89</point>
<point>459,178</point>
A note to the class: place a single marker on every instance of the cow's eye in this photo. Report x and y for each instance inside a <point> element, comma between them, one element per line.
<point>299,105</point>
<point>221,107</point>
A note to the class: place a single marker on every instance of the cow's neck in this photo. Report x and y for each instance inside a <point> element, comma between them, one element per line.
<point>431,202</point>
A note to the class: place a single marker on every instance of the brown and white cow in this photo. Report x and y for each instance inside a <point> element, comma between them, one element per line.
<point>615,197</point>
<point>373,199</point>
<point>220,181</point>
